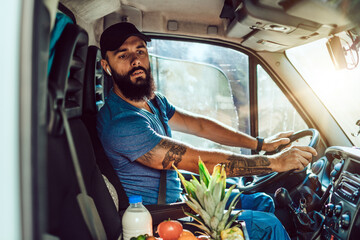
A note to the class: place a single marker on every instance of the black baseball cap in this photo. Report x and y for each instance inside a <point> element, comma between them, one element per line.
<point>115,35</point>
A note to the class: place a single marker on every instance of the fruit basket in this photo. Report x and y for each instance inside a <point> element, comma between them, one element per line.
<point>175,230</point>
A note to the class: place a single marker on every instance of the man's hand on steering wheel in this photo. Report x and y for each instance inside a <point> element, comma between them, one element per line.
<point>272,143</point>
<point>292,158</point>
<point>284,158</point>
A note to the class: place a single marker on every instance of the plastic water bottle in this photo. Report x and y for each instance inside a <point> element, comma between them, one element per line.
<point>136,219</point>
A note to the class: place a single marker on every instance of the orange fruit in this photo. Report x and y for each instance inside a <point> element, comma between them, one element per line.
<point>187,235</point>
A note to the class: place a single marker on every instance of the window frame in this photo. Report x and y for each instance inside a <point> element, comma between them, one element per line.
<point>254,118</point>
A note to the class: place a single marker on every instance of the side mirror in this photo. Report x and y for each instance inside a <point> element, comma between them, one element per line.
<point>336,52</point>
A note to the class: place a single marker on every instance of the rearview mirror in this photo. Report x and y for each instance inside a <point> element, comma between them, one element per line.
<point>344,51</point>
<point>336,52</point>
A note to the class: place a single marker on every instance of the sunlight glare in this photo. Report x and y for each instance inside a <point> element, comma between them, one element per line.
<point>337,89</point>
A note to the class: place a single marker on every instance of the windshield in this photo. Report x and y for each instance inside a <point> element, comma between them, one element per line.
<point>337,89</point>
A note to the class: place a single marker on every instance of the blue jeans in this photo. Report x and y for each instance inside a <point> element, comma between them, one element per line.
<point>259,217</point>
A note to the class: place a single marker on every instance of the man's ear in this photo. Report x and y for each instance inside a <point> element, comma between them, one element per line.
<point>105,66</point>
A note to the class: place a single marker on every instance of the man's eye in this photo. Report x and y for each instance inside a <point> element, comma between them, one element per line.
<point>122,56</point>
<point>141,52</point>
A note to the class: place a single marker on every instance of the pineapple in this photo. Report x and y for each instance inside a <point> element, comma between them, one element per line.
<point>207,198</point>
<point>233,233</point>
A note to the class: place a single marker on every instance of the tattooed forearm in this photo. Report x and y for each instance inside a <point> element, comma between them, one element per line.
<point>147,157</point>
<point>240,166</point>
<point>174,154</point>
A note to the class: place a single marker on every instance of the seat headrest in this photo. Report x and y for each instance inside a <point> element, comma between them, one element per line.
<point>96,84</point>
<point>67,75</point>
<point>94,97</point>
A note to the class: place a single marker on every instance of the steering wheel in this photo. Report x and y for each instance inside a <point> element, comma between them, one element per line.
<point>256,182</point>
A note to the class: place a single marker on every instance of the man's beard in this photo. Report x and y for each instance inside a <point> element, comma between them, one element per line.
<point>142,89</point>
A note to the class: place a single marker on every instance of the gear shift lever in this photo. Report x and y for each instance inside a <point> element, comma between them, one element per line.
<point>283,198</point>
<point>303,221</point>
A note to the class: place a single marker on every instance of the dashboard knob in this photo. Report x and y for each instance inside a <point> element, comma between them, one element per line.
<point>337,210</point>
<point>318,166</point>
<point>329,209</point>
<point>344,221</point>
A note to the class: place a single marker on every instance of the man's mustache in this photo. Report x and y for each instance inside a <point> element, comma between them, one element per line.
<point>137,68</point>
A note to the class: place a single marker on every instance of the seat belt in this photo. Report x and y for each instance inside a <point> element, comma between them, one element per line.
<point>162,188</point>
<point>86,203</point>
<point>162,185</point>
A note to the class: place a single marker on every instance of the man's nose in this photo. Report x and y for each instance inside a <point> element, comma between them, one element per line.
<point>135,61</point>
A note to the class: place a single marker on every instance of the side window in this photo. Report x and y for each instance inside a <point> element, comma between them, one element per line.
<point>204,79</point>
<point>275,111</point>
<point>214,81</point>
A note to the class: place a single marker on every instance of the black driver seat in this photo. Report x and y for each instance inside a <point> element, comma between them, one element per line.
<point>96,87</point>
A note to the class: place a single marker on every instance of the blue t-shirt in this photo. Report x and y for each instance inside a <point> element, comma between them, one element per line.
<point>127,133</point>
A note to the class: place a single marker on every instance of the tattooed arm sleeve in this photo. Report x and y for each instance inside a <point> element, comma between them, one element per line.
<point>169,151</point>
<point>241,166</point>
<point>166,153</point>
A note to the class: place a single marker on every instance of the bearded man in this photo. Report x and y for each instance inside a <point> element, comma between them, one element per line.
<point>134,128</point>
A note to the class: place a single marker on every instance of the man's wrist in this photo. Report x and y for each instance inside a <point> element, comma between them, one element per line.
<point>273,160</point>
<point>260,142</point>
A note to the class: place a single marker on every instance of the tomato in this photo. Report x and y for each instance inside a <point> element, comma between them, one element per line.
<point>170,230</point>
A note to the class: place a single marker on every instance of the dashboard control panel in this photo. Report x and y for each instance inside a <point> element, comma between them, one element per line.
<point>349,187</point>
<point>342,215</point>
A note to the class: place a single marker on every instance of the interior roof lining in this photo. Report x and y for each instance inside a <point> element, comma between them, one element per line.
<point>193,19</point>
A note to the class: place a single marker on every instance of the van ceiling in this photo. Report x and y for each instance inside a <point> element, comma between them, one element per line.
<point>261,25</point>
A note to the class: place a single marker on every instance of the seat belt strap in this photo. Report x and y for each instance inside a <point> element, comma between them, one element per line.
<point>162,184</point>
<point>162,188</point>
<point>86,203</point>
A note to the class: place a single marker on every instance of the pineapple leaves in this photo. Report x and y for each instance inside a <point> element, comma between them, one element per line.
<point>204,173</point>
<point>207,198</point>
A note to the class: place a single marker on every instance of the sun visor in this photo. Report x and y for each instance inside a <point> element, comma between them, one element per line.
<point>91,10</point>
<point>278,25</point>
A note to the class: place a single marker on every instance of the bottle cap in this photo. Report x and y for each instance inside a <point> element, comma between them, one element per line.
<point>135,199</point>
